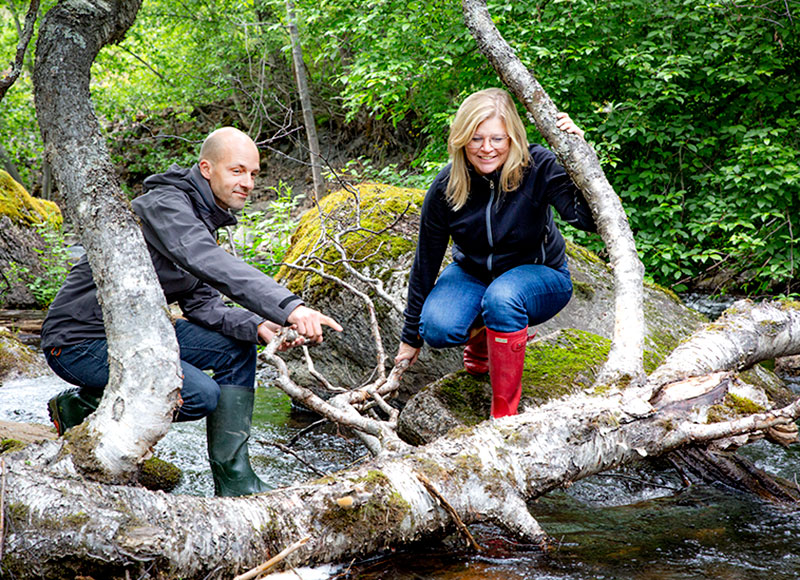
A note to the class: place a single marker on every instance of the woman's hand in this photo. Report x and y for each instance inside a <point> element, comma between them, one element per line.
<point>407,352</point>
<point>566,124</point>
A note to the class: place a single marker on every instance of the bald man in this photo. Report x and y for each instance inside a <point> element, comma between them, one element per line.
<point>180,212</point>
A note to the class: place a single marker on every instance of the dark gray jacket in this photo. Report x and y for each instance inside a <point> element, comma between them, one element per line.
<point>179,220</point>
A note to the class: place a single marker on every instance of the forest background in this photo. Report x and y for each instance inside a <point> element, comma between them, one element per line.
<point>693,107</point>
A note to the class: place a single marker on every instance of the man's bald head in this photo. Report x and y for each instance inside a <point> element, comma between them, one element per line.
<point>229,160</point>
<point>219,142</point>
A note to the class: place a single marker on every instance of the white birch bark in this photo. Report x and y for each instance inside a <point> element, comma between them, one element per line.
<point>145,375</point>
<point>487,473</point>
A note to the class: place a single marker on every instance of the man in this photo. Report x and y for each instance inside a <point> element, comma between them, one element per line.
<point>180,213</point>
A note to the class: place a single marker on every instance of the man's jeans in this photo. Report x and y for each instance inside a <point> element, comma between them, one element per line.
<point>232,362</point>
<point>523,296</point>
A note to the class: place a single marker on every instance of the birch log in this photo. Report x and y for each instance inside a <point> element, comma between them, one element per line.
<point>62,524</point>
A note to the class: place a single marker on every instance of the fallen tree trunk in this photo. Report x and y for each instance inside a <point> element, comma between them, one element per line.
<point>485,473</point>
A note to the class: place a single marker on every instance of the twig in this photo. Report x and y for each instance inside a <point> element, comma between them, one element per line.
<point>305,430</point>
<point>249,575</point>
<point>294,454</point>
<point>449,509</point>
<point>319,376</point>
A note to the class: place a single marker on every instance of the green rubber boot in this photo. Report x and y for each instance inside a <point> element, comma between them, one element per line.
<point>70,407</point>
<point>227,432</point>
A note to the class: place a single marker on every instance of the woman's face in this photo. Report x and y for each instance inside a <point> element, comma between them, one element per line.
<point>488,149</point>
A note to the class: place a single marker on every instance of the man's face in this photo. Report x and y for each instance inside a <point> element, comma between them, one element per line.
<point>232,177</point>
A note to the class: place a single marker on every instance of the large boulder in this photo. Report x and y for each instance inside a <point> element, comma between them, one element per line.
<point>21,245</point>
<point>383,248</point>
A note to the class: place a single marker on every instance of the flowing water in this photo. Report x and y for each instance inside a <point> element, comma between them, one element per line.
<point>637,523</point>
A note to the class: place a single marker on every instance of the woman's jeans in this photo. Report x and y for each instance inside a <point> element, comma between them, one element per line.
<point>521,297</point>
<point>232,362</point>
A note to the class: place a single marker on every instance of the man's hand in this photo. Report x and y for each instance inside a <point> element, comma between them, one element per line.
<point>407,352</point>
<point>266,332</point>
<point>308,323</point>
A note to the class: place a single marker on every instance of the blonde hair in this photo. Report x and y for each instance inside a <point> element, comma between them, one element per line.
<point>477,108</point>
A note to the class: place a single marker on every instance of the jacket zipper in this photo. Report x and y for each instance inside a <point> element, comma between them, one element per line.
<point>489,235</point>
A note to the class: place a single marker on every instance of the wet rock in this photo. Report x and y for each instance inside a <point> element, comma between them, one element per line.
<point>17,359</point>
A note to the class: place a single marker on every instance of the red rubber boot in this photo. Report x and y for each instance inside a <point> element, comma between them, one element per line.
<point>506,361</point>
<point>476,356</point>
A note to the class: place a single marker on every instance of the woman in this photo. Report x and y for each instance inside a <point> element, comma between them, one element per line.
<point>509,267</point>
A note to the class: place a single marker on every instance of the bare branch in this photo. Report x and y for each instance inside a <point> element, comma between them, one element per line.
<point>22,46</point>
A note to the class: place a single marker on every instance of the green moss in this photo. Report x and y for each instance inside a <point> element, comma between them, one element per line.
<point>385,509</point>
<point>158,474</point>
<point>583,290</point>
<point>77,520</point>
<point>562,366</point>
<point>13,354</point>
<point>663,289</point>
<point>375,478</point>
<point>17,512</point>
<point>428,467</point>
<point>371,242</point>
<point>580,253</point>
<point>468,397</point>
<point>22,208</point>
<point>10,445</point>
<point>467,462</point>
<point>733,406</point>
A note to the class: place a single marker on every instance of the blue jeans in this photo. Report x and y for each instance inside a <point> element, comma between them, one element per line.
<point>521,297</point>
<point>232,362</point>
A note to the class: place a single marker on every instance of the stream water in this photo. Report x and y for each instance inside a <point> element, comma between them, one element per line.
<point>637,523</point>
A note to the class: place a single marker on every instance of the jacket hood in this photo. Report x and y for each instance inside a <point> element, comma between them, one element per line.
<point>191,182</point>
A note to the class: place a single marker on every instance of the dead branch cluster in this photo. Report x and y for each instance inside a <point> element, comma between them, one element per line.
<point>364,407</point>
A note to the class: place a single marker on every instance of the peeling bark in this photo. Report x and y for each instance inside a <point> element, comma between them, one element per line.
<point>141,343</point>
<point>624,365</point>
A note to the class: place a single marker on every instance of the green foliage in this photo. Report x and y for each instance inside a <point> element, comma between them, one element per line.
<point>364,169</point>
<point>692,106</point>
<point>262,238</point>
<point>53,262</point>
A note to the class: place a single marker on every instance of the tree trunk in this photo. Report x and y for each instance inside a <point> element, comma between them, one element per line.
<point>142,349</point>
<point>305,101</point>
<point>487,473</point>
<point>624,363</point>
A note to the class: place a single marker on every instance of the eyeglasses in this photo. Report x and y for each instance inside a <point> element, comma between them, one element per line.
<point>495,141</point>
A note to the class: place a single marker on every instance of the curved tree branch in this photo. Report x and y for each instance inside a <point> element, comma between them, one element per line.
<point>624,365</point>
<point>25,36</point>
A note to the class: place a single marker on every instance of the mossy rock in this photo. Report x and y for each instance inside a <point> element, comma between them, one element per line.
<point>18,359</point>
<point>349,358</point>
<point>24,209</point>
<point>21,245</point>
<point>380,241</point>
<point>157,474</point>
<point>562,363</point>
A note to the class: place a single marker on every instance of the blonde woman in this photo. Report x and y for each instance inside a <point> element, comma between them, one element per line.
<point>509,267</point>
